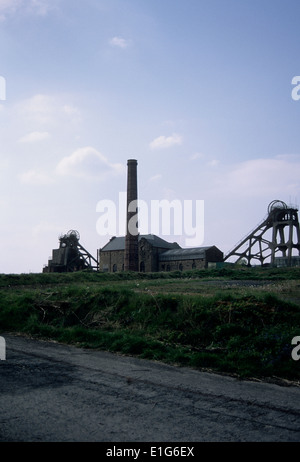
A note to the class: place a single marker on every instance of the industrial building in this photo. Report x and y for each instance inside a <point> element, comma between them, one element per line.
<point>274,242</point>
<point>70,256</point>
<point>150,253</point>
<point>156,254</point>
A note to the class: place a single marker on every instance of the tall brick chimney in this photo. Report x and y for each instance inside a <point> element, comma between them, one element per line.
<point>131,257</point>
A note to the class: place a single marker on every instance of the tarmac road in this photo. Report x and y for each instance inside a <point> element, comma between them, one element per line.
<point>56,393</point>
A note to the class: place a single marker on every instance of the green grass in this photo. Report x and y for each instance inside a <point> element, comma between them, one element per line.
<point>234,321</point>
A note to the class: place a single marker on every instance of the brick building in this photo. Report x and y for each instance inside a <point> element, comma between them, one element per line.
<point>156,254</point>
<point>188,259</point>
<point>149,253</point>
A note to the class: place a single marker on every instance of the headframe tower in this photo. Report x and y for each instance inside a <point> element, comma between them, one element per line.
<point>276,238</point>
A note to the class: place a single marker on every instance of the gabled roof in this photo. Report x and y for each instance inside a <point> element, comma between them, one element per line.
<point>115,243</point>
<point>118,243</point>
<point>157,241</point>
<point>184,254</point>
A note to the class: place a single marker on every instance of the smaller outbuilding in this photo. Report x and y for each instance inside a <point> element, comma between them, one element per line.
<point>188,259</point>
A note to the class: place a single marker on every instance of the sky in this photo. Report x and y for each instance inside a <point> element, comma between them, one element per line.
<point>200,92</point>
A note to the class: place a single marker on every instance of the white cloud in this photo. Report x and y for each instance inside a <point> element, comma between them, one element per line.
<point>71,110</point>
<point>32,177</point>
<point>45,228</point>
<point>164,142</point>
<point>39,109</point>
<point>261,178</point>
<point>34,137</point>
<point>88,163</point>
<point>119,42</point>
<point>8,7</point>
<point>40,7</point>
<point>213,163</point>
<point>208,163</point>
<point>32,7</point>
<point>42,110</point>
<point>155,178</point>
<point>197,155</point>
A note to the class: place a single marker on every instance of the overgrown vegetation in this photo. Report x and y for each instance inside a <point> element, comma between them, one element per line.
<point>233,321</point>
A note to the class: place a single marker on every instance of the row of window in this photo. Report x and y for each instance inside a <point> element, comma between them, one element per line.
<point>180,267</point>
<point>142,267</point>
<point>115,267</point>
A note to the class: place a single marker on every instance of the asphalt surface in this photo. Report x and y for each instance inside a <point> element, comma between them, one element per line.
<point>56,393</point>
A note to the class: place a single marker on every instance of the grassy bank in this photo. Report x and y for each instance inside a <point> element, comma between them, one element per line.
<point>234,321</point>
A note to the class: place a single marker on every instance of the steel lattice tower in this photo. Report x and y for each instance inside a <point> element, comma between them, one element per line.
<point>276,238</point>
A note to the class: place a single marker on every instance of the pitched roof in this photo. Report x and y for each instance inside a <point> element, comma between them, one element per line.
<point>118,243</point>
<point>184,254</point>
<point>115,243</point>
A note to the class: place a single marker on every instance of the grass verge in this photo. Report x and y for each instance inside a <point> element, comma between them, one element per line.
<point>242,331</point>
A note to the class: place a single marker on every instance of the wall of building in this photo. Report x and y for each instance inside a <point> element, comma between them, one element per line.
<point>182,265</point>
<point>149,256</point>
<point>213,254</point>
<point>111,261</point>
<point>146,257</point>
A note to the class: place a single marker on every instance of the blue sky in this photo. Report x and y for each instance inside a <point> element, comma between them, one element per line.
<point>199,92</point>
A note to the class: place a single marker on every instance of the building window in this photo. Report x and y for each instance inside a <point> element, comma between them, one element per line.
<point>180,267</point>
<point>115,268</point>
<point>142,267</point>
